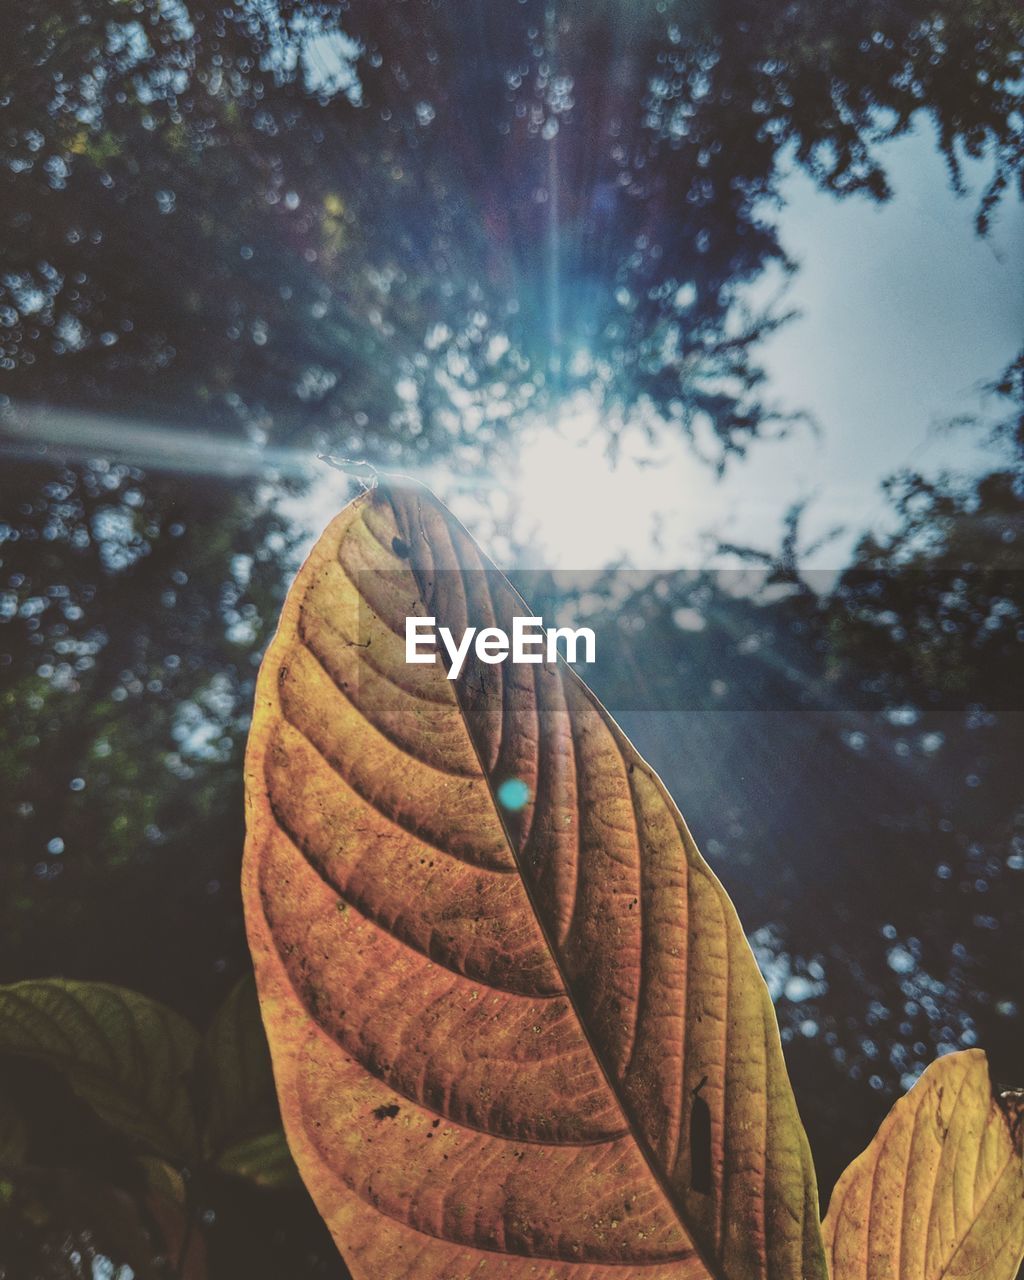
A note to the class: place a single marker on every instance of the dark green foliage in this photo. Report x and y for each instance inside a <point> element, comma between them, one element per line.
<point>136,610</point>
<point>166,1129</point>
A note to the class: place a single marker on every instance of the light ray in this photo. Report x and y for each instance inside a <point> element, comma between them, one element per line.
<point>61,435</point>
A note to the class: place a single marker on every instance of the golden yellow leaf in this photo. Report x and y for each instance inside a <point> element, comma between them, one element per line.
<point>508,1042</point>
<point>939,1193</point>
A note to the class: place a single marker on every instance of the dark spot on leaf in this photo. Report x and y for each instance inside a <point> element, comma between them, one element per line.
<point>700,1143</point>
<point>401,548</point>
<point>387,1113</point>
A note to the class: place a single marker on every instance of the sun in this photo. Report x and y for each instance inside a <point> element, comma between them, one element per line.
<point>579,505</point>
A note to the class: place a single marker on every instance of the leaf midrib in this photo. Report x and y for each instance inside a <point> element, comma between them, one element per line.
<point>643,1146</point>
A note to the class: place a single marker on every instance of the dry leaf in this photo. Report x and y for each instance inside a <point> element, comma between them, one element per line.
<point>506,1044</point>
<point>939,1193</point>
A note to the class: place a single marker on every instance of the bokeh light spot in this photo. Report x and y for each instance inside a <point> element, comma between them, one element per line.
<point>513,794</point>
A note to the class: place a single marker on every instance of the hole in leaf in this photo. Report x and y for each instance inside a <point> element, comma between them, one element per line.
<point>700,1143</point>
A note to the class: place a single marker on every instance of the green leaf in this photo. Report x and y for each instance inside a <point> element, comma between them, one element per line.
<point>264,1161</point>
<point>243,1131</point>
<point>128,1057</point>
<point>162,1180</point>
<point>238,1077</point>
<point>13,1132</point>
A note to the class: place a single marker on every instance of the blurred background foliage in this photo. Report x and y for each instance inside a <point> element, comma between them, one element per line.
<point>237,235</point>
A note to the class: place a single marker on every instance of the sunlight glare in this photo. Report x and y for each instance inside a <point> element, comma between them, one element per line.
<point>579,508</point>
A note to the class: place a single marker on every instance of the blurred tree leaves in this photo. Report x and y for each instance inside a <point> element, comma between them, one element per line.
<point>65,1224</point>
<point>394,230</point>
<point>134,610</point>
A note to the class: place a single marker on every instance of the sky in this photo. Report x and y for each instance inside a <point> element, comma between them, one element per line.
<point>904,314</point>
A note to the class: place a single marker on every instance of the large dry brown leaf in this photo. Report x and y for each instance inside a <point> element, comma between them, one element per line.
<point>939,1193</point>
<point>506,1045</point>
